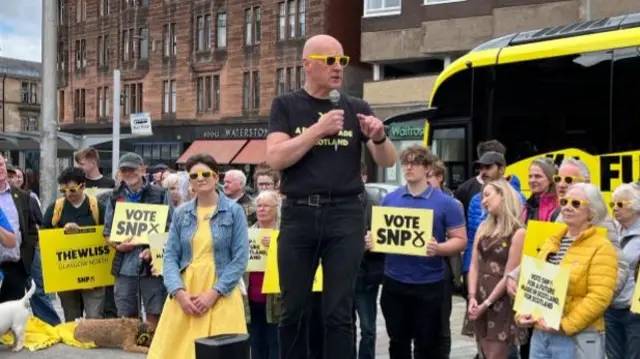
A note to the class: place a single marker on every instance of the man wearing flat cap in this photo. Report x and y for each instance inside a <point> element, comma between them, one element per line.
<point>134,188</point>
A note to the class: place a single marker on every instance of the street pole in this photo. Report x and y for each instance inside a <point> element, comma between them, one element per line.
<point>48,112</point>
<point>115,153</point>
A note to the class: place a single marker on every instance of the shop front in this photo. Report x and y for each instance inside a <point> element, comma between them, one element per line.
<point>402,135</point>
<point>232,144</point>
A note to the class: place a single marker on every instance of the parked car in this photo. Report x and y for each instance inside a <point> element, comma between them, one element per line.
<point>379,190</point>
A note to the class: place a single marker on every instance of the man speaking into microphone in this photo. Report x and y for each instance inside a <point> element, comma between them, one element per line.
<point>316,139</point>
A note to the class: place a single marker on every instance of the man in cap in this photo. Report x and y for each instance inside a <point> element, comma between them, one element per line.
<point>134,188</point>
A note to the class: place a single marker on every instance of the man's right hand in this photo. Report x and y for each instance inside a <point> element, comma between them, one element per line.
<point>331,122</point>
<point>126,246</point>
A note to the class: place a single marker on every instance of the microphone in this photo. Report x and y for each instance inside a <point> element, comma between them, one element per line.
<point>334,97</point>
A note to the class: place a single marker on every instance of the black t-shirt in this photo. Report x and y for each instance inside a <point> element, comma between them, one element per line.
<point>332,166</point>
<point>465,192</point>
<point>81,216</point>
<point>102,182</point>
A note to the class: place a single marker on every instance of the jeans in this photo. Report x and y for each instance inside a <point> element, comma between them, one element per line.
<point>264,336</point>
<point>622,334</point>
<point>545,345</point>
<point>333,233</point>
<point>366,307</point>
<point>413,314</point>
<point>41,303</point>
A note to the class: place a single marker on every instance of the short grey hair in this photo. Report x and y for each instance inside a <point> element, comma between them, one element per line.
<point>273,196</point>
<point>629,192</point>
<point>171,180</point>
<point>239,175</point>
<point>584,170</point>
<point>596,201</point>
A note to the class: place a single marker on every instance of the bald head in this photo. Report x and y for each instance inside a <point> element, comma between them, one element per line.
<point>322,44</point>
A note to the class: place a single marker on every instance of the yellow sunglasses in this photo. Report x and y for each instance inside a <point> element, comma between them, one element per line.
<point>66,189</point>
<point>575,203</point>
<point>331,60</point>
<point>203,174</point>
<point>619,204</point>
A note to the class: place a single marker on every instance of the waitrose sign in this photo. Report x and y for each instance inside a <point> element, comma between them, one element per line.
<point>407,131</point>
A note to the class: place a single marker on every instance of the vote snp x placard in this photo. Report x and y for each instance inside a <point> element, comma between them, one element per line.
<point>401,230</point>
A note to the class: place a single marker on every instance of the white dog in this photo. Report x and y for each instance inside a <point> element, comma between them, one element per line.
<point>14,316</point>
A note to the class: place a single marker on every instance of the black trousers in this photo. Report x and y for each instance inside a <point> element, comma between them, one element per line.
<point>413,314</point>
<point>333,233</point>
<point>109,309</point>
<point>15,281</point>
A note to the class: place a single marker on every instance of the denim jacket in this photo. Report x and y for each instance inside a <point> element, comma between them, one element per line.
<point>230,244</point>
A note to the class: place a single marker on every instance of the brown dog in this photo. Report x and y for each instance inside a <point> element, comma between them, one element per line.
<point>127,334</point>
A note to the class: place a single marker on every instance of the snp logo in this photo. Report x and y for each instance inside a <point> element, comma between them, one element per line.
<point>83,280</point>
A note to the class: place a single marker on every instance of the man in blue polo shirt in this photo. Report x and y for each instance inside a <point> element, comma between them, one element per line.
<point>413,289</point>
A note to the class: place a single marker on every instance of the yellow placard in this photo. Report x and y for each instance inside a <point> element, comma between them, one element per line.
<point>271,283</point>
<point>401,230</point>
<point>257,251</point>
<point>542,290</point>
<point>138,221</point>
<point>80,260</point>
<point>157,243</point>
<point>607,171</point>
<point>95,191</point>
<point>537,233</point>
<point>635,304</point>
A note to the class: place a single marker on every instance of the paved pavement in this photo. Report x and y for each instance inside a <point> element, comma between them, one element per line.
<point>461,347</point>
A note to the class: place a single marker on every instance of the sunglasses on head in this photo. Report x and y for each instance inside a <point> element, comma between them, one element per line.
<point>575,203</point>
<point>202,174</point>
<point>619,204</point>
<point>567,179</point>
<point>67,189</point>
<point>331,60</point>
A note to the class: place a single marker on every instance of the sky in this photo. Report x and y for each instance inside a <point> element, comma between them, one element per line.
<point>21,29</point>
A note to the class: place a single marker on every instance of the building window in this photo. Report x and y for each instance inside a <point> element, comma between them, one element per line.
<point>252,26</point>
<point>170,40</point>
<point>159,151</point>
<point>280,82</point>
<point>169,96</point>
<point>79,104</point>
<point>302,18</point>
<point>127,45</point>
<point>60,106</point>
<point>127,4</point>
<point>292,19</point>
<point>103,102</point>
<point>300,75</point>
<point>104,7</point>
<point>382,7</point>
<point>132,99</point>
<point>62,11</point>
<point>81,54</point>
<point>81,10</point>
<point>143,43</point>
<point>62,57</point>
<point>29,92</point>
<point>221,24</point>
<point>291,76</point>
<point>103,51</point>
<point>256,90</point>
<point>30,124</point>
<point>251,90</point>
<point>282,21</point>
<point>208,93</point>
<point>203,38</point>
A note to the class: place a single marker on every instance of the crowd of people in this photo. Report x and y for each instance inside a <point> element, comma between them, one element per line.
<point>311,189</point>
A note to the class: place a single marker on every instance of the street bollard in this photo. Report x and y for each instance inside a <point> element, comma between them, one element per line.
<point>226,346</point>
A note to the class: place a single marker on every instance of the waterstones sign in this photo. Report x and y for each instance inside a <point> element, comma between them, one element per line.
<point>256,131</point>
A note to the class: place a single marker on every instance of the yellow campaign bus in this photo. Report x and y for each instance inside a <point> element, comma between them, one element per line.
<point>561,91</point>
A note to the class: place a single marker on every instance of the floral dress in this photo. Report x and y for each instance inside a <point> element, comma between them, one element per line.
<point>497,322</point>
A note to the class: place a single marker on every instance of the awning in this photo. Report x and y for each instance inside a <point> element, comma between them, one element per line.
<point>223,151</point>
<point>252,153</point>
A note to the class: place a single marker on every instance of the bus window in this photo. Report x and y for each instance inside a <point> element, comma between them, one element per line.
<point>553,103</point>
<point>626,99</point>
<point>450,144</point>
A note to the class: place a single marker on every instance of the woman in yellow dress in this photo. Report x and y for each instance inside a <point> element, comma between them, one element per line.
<point>205,257</point>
